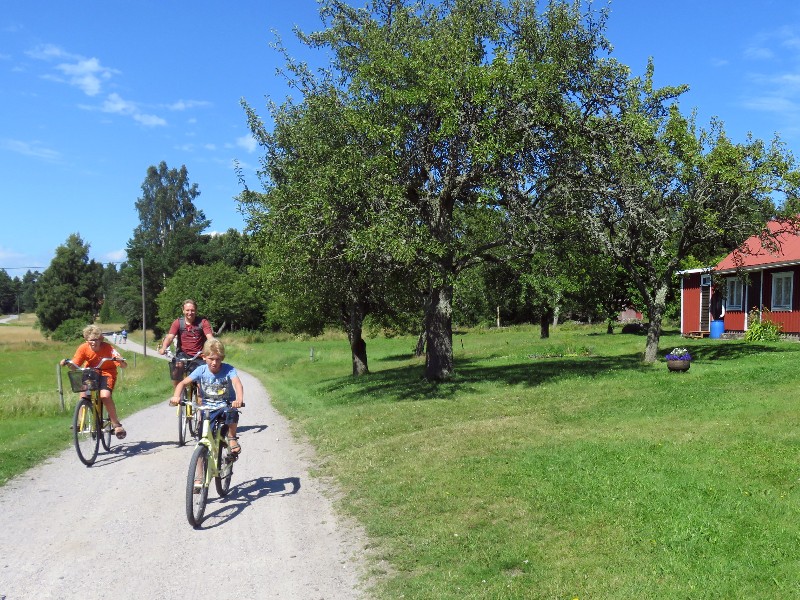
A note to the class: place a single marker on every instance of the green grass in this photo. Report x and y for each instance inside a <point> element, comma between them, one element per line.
<point>553,469</point>
<point>32,424</point>
<point>585,475</point>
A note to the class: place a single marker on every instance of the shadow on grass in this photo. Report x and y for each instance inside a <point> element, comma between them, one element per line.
<point>731,350</point>
<point>406,383</point>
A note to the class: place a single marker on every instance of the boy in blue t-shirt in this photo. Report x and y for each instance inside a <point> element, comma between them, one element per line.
<point>220,386</point>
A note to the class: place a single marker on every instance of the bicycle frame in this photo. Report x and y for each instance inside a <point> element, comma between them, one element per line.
<point>211,459</point>
<point>185,411</point>
<point>211,438</point>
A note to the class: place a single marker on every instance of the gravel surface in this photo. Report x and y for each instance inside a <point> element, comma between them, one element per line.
<point>118,529</point>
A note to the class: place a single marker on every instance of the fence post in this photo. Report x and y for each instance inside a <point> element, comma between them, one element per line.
<point>60,386</point>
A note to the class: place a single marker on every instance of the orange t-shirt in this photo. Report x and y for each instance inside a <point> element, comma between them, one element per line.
<point>86,357</point>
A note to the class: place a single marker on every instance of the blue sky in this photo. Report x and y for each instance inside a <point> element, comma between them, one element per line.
<point>93,93</point>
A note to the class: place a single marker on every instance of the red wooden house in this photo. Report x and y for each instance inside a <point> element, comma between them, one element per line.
<point>756,280</point>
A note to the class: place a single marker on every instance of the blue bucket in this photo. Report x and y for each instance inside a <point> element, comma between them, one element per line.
<point>717,329</point>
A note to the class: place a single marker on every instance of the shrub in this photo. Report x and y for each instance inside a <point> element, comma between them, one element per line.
<point>763,329</point>
<point>70,330</point>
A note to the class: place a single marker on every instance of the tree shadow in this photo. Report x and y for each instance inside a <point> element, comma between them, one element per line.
<point>405,383</point>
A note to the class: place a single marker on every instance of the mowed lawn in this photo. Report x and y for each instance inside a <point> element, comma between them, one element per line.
<point>561,468</point>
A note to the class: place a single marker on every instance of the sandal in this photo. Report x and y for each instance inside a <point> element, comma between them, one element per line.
<point>198,485</point>
<point>120,432</point>
<point>233,445</point>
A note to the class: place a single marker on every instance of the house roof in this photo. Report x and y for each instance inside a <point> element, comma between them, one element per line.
<point>753,255</point>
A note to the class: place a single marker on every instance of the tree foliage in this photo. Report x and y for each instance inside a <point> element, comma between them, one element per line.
<point>70,288</point>
<point>168,236</point>
<point>459,105</point>
<point>224,296</point>
<point>655,190</point>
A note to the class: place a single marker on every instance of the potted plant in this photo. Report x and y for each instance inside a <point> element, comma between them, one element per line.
<point>679,359</point>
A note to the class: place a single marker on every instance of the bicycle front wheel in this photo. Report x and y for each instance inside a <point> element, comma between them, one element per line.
<point>196,420</point>
<point>106,428</point>
<point>183,423</point>
<point>225,463</point>
<point>197,486</point>
<point>85,431</point>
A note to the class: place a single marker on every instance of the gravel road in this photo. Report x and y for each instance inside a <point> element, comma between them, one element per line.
<point>118,529</point>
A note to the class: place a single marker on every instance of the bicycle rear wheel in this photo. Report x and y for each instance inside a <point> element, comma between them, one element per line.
<point>196,498</point>
<point>225,463</point>
<point>85,431</point>
<point>106,428</point>
<point>183,423</point>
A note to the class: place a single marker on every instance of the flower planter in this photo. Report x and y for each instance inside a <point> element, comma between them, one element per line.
<point>679,365</point>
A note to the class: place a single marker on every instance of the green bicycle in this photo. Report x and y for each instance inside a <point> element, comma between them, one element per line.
<point>91,424</point>
<point>211,459</point>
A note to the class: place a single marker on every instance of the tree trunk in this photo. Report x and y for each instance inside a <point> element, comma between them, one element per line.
<point>358,347</point>
<point>544,324</point>
<point>655,312</point>
<point>439,334</point>
<point>420,349</point>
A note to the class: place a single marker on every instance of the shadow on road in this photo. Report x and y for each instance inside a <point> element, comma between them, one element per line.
<point>244,494</point>
<point>122,451</point>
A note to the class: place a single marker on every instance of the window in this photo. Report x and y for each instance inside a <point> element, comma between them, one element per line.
<point>735,294</point>
<point>782,291</point>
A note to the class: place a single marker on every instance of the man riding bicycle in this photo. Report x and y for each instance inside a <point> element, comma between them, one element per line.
<point>190,333</point>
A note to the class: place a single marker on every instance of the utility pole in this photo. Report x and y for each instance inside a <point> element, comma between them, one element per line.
<point>144,319</point>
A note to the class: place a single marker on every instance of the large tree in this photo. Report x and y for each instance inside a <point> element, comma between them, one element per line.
<point>71,287</point>
<point>330,252</point>
<point>654,190</point>
<point>461,102</point>
<point>168,236</point>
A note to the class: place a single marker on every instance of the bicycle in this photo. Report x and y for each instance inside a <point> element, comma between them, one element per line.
<point>211,459</point>
<point>91,424</point>
<point>189,420</point>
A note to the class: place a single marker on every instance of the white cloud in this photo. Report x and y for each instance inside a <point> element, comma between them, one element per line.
<point>117,105</point>
<point>35,149</point>
<point>248,142</point>
<point>87,74</point>
<point>116,256</point>
<point>758,53</point>
<point>187,104</point>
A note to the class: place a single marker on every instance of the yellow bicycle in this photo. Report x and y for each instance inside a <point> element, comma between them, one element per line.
<point>211,459</point>
<point>91,425</point>
<point>189,420</point>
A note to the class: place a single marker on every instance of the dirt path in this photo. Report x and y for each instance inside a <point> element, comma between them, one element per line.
<point>119,529</point>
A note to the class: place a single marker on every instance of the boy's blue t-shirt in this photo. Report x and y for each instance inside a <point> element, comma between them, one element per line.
<point>216,390</point>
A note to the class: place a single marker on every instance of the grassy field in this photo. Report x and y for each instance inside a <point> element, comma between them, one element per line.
<point>552,469</point>
<point>32,424</point>
<point>561,468</point>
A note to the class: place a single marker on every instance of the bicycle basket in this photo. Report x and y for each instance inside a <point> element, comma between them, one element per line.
<point>84,381</point>
<point>176,369</point>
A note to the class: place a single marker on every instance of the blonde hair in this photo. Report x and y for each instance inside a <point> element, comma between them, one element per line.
<point>214,346</point>
<point>92,331</point>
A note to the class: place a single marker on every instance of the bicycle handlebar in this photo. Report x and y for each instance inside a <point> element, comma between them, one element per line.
<point>105,359</point>
<point>203,407</point>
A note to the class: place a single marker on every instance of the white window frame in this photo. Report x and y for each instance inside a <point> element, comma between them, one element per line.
<point>734,299</point>
<point>782,290</point>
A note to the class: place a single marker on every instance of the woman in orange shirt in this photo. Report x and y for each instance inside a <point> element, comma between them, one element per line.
<point>89,354</point>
